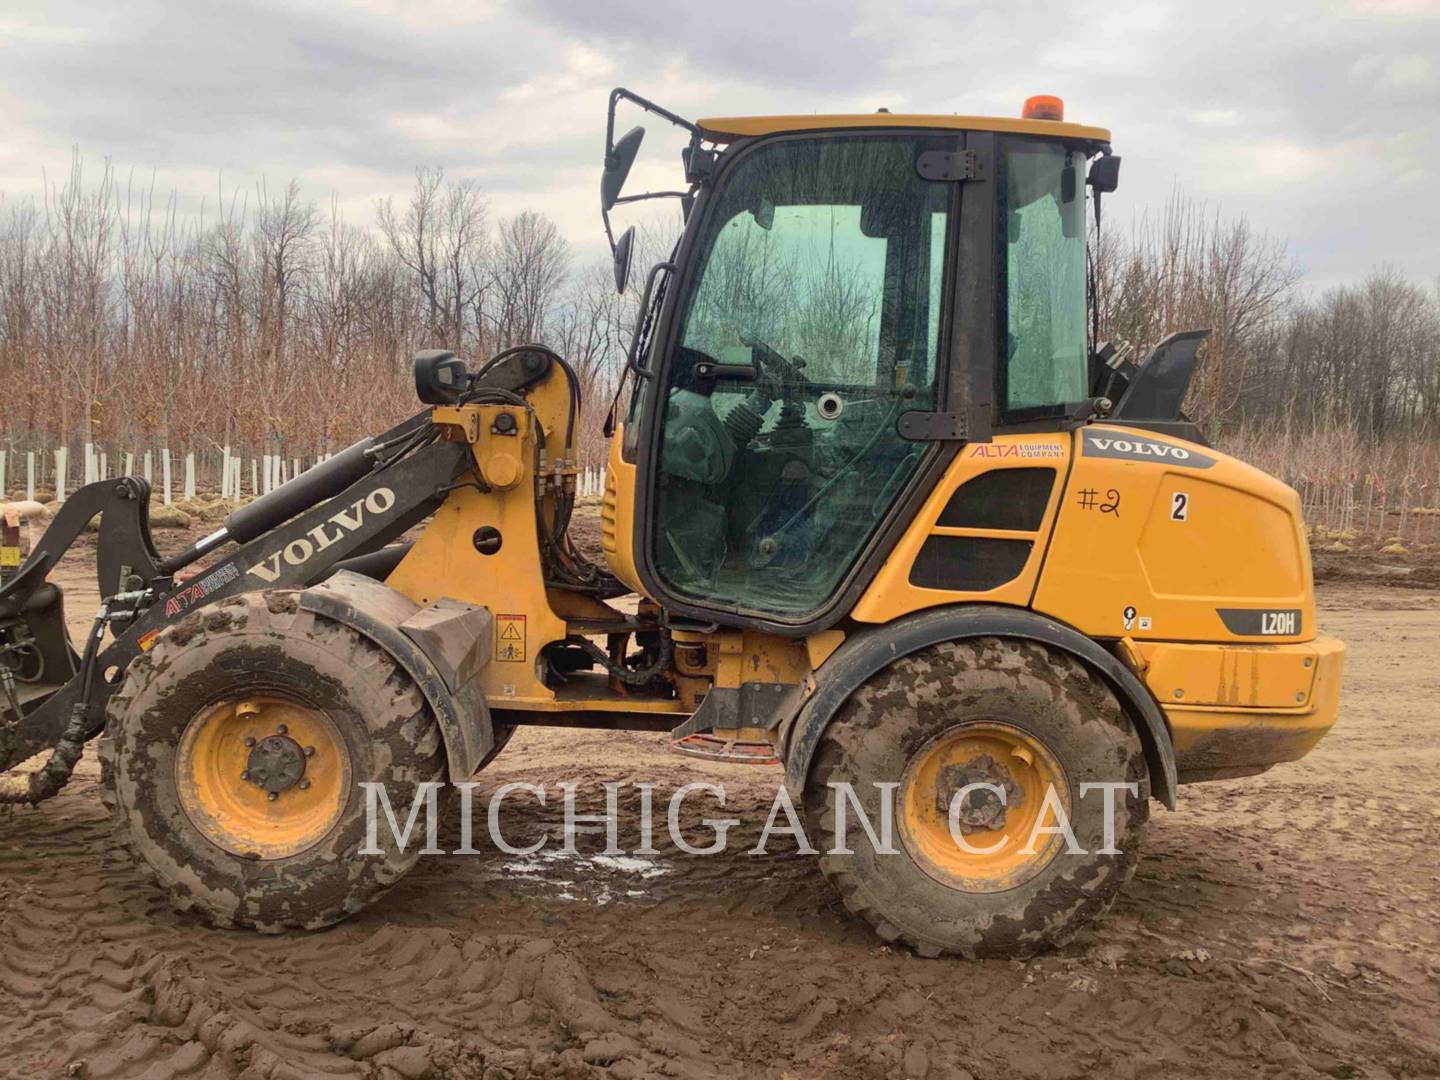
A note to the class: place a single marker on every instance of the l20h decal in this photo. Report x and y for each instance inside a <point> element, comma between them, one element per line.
<point>1261,622</point>
<point>1117,444</point>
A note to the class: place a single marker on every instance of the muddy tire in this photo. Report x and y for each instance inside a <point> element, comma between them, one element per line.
<point>256,667</point>
<point>941,719</point>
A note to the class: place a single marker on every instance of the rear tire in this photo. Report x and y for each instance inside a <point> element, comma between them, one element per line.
<point>179,730</point>
<point>985,694</point>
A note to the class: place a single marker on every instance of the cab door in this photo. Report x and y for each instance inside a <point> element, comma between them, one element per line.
<point>811,315</point>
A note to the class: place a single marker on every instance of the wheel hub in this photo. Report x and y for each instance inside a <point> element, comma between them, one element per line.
<point>276,764</point>
<point>981,807</point>
<point>995,779</point>
<point>265,777</point>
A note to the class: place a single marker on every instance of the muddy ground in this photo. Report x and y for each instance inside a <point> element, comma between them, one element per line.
<point>1286,925</point>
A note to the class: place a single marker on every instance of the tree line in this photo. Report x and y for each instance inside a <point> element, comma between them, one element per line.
<point>271,325</point>
<point>1365,356</point>
<point>1337,392</point>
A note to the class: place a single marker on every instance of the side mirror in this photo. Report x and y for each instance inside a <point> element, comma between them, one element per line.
<point>624,256</point>
<point>440,377</point>
<point>1105,173</point>
<point>618,160</point>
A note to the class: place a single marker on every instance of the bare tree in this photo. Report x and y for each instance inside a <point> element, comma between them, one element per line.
<point>269,326</point>
<point>531,261</point>
<point>441,238</point>
<point>1191,268</point>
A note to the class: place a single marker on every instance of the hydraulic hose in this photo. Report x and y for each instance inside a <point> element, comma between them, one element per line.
<point>36,787</point>
<point>322,482</point>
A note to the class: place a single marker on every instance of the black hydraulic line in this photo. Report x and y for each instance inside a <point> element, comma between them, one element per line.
<point>36,787</point>
<point>327,479</point>
<point>194,551</point>
<point>311,487</point>
<point>630,676</point>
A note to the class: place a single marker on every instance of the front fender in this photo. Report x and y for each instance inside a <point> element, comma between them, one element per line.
<point>871,650</point>
<point>442,647</point>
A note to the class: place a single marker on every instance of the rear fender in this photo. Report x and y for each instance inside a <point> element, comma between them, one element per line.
<point>443,647</point>
<point>869,651</point>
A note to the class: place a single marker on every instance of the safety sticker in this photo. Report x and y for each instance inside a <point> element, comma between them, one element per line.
<point>9,556</point>
<point>1131,618</point>
<point>510,637</point>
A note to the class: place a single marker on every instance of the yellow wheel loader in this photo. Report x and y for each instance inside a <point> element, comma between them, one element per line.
<point>878,508</point>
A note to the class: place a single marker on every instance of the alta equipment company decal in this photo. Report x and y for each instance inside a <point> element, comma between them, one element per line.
<point>196,591</point>
<point>1017,450</point>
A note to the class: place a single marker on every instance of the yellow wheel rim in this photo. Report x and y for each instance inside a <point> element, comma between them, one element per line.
<point>997,833</point>
<point>262,777</point>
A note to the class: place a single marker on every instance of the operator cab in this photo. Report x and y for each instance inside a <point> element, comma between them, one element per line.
<point>858,294</point>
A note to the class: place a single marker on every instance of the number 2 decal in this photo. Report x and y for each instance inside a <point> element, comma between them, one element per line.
<point>1179,506</point>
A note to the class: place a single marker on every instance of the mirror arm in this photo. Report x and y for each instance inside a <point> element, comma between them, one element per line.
<point>653,195</point>
<point>619,94</point>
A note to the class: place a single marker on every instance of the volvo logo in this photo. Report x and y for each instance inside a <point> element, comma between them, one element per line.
<point>1105,444</point>
<point>336,527</point>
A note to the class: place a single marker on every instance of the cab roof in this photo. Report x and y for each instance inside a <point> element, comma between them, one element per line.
<point>729,128</point>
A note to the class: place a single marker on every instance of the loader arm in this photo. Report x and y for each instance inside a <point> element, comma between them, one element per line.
<point>363,517</point>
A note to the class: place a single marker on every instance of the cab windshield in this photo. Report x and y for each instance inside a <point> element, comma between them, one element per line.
<point>1046,351</point>
<point>813,320</point>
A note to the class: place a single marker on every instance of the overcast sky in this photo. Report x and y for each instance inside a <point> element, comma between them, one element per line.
<point>1320,121</point>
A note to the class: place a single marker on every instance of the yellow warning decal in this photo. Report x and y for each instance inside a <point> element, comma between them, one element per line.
<point>9,556</point>
<point>147,641</point>
<point>510,637</point>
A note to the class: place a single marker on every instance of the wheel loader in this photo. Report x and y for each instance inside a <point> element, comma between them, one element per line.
<point>879,509</point>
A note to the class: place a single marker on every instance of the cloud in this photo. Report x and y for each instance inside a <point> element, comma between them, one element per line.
<point>1306,119</point>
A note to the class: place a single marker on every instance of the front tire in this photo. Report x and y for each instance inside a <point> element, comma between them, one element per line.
<point>233,757</point>
<point>1001,712</point>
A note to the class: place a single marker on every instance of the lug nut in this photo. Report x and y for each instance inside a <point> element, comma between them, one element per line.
<point>281,730</point>
<point>304,785</point>
<point>272,796</point>
<point>309,751</point>
<point>245,775</point>
<point>249,740</point>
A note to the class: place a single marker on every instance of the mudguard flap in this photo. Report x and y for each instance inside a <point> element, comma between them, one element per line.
<point>443,647</point>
